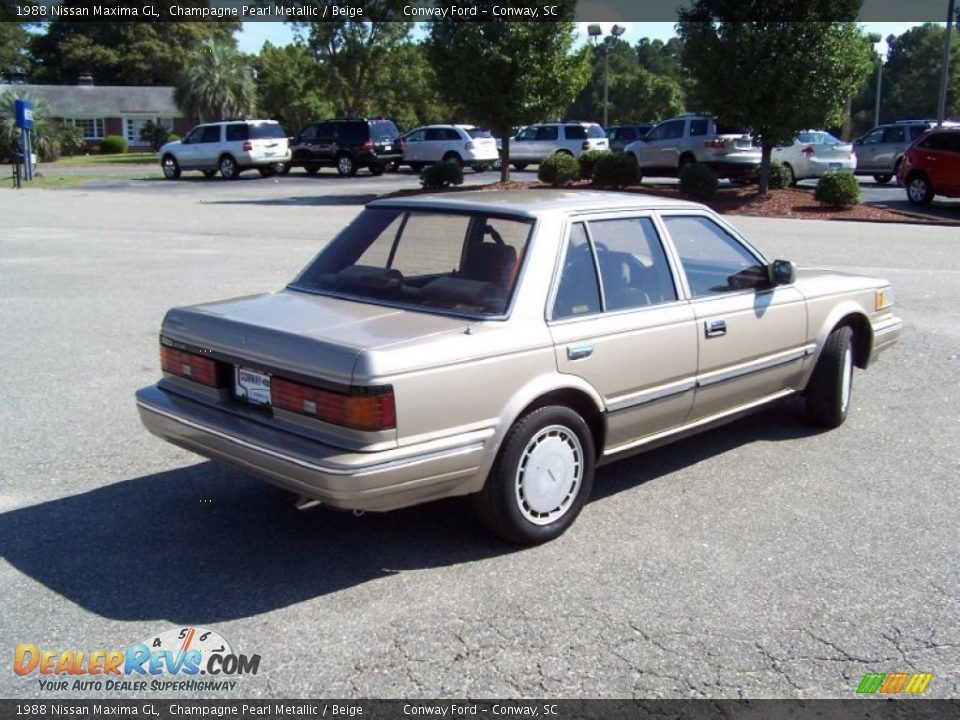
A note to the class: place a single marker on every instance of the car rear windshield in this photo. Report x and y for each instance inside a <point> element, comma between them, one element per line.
<point>383,128</point>
<point>262,131</point>
<point>435,261</point>
<point>595,131</point>
<point>477,133</point>
<point>818,138</point>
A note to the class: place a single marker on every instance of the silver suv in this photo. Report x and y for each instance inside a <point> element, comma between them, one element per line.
<point>673,144</point>
<point>880,151</point>
<point>535,143</point>
<point>229,147</point>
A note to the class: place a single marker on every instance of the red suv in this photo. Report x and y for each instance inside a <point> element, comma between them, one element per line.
<point>931,165</point>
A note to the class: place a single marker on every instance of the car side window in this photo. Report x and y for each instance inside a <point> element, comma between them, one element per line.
<point>415,136</point>
<point>633,265</point>
<point>713,260</point>
<point>211,134</point>
<point>578,292</point>
<point>893,135</point>
<point>548,132</point>
<point>575,132</point>
<point>873,137</point>
<point>656,132</point>
<point>308,134</point>
<point>237,132</point>
<point>452,134</point>
<point>916,131</point>
<point>433,134</point>
<point>194,135</point>
<point>529,133</point>
<point>673,129</point>
<point>698,127</point>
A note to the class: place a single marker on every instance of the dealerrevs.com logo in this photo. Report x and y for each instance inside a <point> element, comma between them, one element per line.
<point>183,659</point>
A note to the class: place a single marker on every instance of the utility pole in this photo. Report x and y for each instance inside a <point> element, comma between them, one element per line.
<point>945,69</point>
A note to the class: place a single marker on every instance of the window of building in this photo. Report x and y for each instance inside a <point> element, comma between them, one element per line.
<point>92,128</point>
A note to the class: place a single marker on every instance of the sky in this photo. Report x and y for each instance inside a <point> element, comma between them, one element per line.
<point>254,34</point>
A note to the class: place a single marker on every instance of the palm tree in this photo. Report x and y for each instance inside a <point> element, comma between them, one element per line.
<point>45,138</point>
<point>217,83</point>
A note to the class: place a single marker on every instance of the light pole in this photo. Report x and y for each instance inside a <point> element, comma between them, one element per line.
<point>595,32</point>
<point>875,38</point>
<point>945,67</point>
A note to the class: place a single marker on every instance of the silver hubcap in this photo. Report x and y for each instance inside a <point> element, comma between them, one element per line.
<point>168,167</point>
<point>345,165</point>
<point>549,475</point>
<point>846,380</point>
<point>917,189</point>
<point>226,166</point>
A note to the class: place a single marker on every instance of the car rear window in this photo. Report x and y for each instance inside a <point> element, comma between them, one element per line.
<point>818,138</point>
<point>237,132</point>
<point>575,132</point>
<point>461,263</point>
<point>477,133</point>
<point>384,128</point>
<point>263,131</point>
<point>595,131</point>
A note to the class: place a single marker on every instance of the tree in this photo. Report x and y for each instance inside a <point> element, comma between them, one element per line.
<point>507,73</point>
<point>755,68</point>
<point>217,83</point>
<point>14,61</point>
<point>290,87</point>
<point>353,54</point>
<point>911,77</point>
<point>46,137</point>
<point>121,53</point>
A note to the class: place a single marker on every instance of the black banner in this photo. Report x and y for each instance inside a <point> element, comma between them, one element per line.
<point>905,709</point>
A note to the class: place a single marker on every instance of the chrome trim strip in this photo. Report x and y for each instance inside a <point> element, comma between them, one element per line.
<point>765,363</point>
<point>691,426</point>
<point>890,326</point>
<point>660,392</point>
<point>327,469</point>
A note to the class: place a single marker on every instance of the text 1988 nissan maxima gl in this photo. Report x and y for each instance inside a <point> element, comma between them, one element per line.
<point>502,345</point>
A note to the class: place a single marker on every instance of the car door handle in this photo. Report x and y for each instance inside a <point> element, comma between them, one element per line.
<point>578,351</point>
<point>715,327</point>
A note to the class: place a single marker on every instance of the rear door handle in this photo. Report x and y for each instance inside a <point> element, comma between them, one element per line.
<point>715,327</point>
<point>578,351</point>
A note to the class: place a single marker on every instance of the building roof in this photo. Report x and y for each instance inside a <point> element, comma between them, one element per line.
<point>101,100</point>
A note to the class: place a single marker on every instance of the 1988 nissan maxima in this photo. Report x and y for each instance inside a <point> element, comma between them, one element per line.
<point>502,345</point>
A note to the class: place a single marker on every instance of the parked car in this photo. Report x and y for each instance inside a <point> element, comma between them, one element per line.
<point>229,147</point>
<point>501,345</point>
<point>673,144</point>
<point>814,153</point>
<point>880,151</point>
<point>931,166</point>
<point>460,144</point>
<point>620,136</point>
<point>536,143</point>
<point>348,145</point>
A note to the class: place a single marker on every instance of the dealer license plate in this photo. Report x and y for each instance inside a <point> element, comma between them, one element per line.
<point>835,166</point>
<point>252,386</point>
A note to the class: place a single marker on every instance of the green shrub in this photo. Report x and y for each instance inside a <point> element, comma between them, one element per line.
<point>71,139</point>
<point>172,137</point>
<point>698,181</point>
<point>588,160</point>
<point>154,134</point>
<point>441,175</point>
<point>559,169</point>
<point>616,170</point>
<point>779,177</point>
<point>113,145</point>
<point>838,189</point>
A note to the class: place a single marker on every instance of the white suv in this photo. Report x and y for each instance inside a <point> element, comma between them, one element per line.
<point>228,147</point>
<point>538,142</point>
<point>673,144</point>
<point>459,144</point>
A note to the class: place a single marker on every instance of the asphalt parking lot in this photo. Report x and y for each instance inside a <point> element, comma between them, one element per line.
<point>763,559</point>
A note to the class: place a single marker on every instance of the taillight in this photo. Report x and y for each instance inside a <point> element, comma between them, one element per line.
<point>361,409</point>
<point>714,143</point>
<point>807,151</point>
<point>368,145</point>
<point>247,146</point>
<point>189,365</point>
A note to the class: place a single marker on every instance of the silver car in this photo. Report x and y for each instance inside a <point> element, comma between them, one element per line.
<point>228,148</point>
<point>502,345</point>
<point>536,143</point>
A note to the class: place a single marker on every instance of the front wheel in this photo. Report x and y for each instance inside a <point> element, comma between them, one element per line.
<point>377,169</point>
<point>346,165</point>
<point>789,176</point>
<point>828,394</point>
<point>171,168</point>
<point>229,168</point>
<point>919,191</point>
<point>520,166</point>
<point>541,479</point>
<point>883,178</point>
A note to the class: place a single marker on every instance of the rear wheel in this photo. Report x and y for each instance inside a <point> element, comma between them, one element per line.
<point>481,167</point>
<point>828,394</point>
<point>883,178</point>
<point>453,159</point>
<point>209,173</point>
<point>919,191</point>
<point>267,171</point>
<point>311,169</point>
<point>171,168</point>
<point>417,167</point>
<point>377,169</point>
<point>684,161</point>
<point>789,176</point>
<point>520,166</point>
<point>346,165</point>
<point>229,168</point>
<point>541,479</point>
<point>282,168</point>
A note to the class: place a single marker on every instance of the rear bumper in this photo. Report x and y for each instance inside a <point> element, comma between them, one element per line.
<point>819,168</point>
<point>377,481</point>
<point>885,334</point>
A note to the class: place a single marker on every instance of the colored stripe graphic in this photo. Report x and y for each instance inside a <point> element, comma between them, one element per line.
<point>909,683</point>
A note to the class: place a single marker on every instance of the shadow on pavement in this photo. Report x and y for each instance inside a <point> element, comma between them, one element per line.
<point>204,543</point>
<point>356,199</point>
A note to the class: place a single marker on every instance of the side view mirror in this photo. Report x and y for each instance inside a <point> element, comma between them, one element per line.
<point>783,272</point>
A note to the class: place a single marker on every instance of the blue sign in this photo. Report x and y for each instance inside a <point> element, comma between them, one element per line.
<point>24,110</point>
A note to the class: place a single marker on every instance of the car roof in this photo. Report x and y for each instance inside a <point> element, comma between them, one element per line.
<point>533,203</point>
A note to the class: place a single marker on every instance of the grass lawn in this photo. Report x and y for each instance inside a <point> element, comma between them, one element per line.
<point>140,158</point>
<point>51,180</point>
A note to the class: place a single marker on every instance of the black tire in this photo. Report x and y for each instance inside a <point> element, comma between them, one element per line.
<point>346,166</point>
<point>828,392</point>
<point>883,178</point>
<point>394,166</point>
<point>209,173</point>
<point>312,169</point>
<point>228,167</point>
<point>170,167</point>
<point>522,500</point>
<point>453,159</point>
<point>377,169</point>
<point>282,168</point>
<point>481,167</point>
<point>919,190</point>
<point>267,171</point>
<point>417,167</point>
<point>791,176</point>
<point>520,166</point>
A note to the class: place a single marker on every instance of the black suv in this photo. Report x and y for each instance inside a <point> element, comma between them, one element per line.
<point>347,145</point>
<point>622,135</point>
